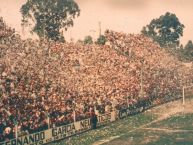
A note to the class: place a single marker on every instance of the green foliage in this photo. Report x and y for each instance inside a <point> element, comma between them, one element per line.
<point>101,40</point>
<point>188,49</point>
<point>5,32</point>
<point>166,30</point>
<point>49,16</point>
<point>88,40</point>
<point>184,54</point>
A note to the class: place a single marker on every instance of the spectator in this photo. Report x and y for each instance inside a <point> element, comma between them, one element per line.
<point>93,120</point>
<point>80,78</point>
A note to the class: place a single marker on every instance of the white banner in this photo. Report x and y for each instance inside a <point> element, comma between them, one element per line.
<point>50,135</point>
<point>61,132</point>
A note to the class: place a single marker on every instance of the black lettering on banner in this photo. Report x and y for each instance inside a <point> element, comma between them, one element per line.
<point>19,141</point>
<point>26,140</point>
<point>41,142</point>
<point>85,124</point>
<point>57,133</point>
<point>30,139</point>
<point>64,135</point>
<point>60,137</point>
<point>48,140</point>
<point>104,118</point>
<point>54,132</point>
<point>42,135</point>
<point>37,137</point>
<point>72,127</point>
<point>56,138</point>
<point>122,113</point>
<point>11,142</point>
<point>63,130</point>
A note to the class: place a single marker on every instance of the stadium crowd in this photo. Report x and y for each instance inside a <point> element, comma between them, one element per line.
<point>47,84</point>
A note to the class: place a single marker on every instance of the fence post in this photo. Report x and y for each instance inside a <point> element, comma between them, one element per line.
<point>16,131</point>
<point>113,116</point>
<point>74,115</point>
<point>183,95</point>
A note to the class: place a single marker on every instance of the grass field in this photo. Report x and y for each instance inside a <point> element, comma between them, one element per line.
<point>168,124</point>
<point>177,130</point>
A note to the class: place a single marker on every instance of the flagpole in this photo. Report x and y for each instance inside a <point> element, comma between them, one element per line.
<point>74,115</point>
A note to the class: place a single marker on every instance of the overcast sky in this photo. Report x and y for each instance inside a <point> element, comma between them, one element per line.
<point>120,15</point>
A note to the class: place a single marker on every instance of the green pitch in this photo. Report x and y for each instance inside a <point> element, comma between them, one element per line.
<point>176,130</point>
<point>163,125</point>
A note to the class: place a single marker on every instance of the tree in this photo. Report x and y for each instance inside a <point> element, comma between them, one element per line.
<point>189,49</point>
<point>80,41</point>
<point>101,40</point>
<point>50,17</point>
<point>5,32</point>
<point>166,30</point>
<point>88,40</point>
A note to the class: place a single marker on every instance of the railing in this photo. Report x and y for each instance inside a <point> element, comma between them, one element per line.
<point>62,132</point>
<point>58,133</point>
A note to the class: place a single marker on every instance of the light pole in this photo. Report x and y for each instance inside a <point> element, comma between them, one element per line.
<point>156,76</point>
<point>99,28</point>
<point>142,80</point>
<point>141,83</point>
